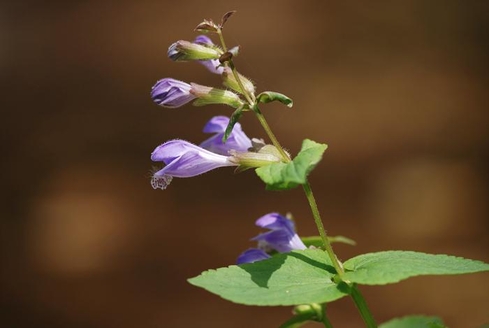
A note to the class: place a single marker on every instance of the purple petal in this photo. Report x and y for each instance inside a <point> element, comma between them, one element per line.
<point>282,236</point>
<point>237,140</point>
<point>213,65</point>
<point>217,124</point>
<point>171,93</point>
<point>279,240</point>
<point>275,221</point>
<point>203,39</point>
<point>184,159</point>
<point>252,255</point>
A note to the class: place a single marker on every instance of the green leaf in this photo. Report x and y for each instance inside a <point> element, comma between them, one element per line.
<point>393,266</point>
<point>269,96</point>
<point>298,277</point>
<point>232,121</point>
<point>281,176</point>
<point>414,321</point>
<point>316,241</point>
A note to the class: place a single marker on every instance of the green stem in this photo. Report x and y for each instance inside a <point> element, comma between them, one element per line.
<point>325,319</point>
<point>322,232</point>
<point>362,307</point>
<point>270,134</point>
<point>356,295</point>
<point>249,98</point>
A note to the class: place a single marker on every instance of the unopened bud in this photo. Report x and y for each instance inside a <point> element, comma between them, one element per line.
<point>267,155</point>
<point>230,81</point>
<point>207,95</point>
<point>185,50</point>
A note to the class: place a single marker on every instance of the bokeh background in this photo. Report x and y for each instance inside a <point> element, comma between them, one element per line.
<point>399,91</point>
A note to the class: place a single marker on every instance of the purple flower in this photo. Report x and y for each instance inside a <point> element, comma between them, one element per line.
<point>213,65</point>
<point>281,237</point>
<point>184,160</point>
<point>171,93</point>
<point>237,140</point>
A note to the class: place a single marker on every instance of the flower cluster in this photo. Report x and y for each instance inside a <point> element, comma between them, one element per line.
<point>229,146</point>
<point>183,159</point>
<point>281,238</point>
<point>172,93</point>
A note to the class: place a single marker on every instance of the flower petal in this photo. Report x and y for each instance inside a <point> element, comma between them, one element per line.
<point>184,159</point>
<point>237,140</point>
<point>275,221</point>
<point>171,93</point>
<point>282,236</point>
<point>203,39</point>
<point>213,65</point>
<point>252,255</point>
<point>217,124</point>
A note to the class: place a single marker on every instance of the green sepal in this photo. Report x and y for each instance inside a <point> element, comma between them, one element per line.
<point>282,176</point>
<point>269,96</point>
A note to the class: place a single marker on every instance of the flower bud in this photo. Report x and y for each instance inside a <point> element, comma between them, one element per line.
<point>185,50</point>
<point>267,155</point>
<point>213,65</point>
<point>230,81</point>
<point>207,95</point>
<point>171,93</point>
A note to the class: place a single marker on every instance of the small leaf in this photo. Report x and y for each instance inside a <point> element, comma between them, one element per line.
<point>316,241</point>
<point>269,96</point>
<point>281,176</point>
<point>226,17</point>
<point>206,26</point>
<point>232,121</point>
<point>298,277</point>
<point>414,321</point>
<point>393,266</point>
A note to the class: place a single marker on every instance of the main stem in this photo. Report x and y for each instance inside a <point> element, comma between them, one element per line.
<point>322,232</point>
<point>270,133</point>
<point>356,295</point>
<point>362,307</point>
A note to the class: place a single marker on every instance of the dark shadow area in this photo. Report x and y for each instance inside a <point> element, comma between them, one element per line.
<point>262,271</point>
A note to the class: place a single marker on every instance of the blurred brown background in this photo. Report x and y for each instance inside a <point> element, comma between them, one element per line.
<point>397,89</point>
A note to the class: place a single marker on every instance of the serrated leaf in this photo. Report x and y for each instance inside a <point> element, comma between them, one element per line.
<point>282,176</point>
<point>298,277</point>
<point>393,266</point>
<point>414,321</point>
<point>269,96</point>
